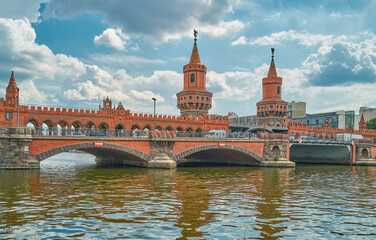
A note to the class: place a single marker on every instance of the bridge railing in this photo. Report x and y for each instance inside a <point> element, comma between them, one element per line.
<point>56,132</point>
<point>318,139</point>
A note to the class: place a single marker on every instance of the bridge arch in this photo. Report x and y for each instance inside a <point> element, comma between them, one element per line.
<point>110,152</point>
<point>229,154</point>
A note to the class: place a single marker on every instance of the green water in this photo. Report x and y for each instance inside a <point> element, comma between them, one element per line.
<point>70,198</point>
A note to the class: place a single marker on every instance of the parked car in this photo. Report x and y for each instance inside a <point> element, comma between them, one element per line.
<point>98,134</point>
<point>78,134</point>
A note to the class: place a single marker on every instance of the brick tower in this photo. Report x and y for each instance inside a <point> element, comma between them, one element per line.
<point>194,100</point>
<point>272,109</point>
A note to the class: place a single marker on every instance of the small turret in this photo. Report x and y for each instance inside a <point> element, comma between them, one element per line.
<point>362,124</point>
<point>11,96</point>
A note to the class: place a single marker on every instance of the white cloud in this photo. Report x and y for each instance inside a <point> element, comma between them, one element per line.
<point>240,41</point>
<point>112,38</point>
<point>121,59</point>
<point>223,28</point>
<point>29,94</point>
<point>156,21</point>
<point>21,9</point>
<point>278,38</point>
<point>274,17</point>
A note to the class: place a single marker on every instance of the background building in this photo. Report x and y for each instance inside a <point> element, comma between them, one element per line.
<point>368,113</point>
<point>296,109</point>
<point>340,119</point>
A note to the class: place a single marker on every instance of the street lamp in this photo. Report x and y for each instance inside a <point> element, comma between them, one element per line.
<point>264,108</point>
<point>18,107</point>
<point>154,112</point>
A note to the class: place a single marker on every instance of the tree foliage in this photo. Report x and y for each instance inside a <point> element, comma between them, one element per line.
<point>371,124</point>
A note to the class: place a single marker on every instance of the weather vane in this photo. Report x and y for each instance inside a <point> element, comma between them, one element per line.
<point>272,53</point>
<point>195,33</point>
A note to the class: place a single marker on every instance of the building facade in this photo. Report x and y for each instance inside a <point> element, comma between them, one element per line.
<point>368,113</point>
<point>296,109</point>
<point>340,119</point>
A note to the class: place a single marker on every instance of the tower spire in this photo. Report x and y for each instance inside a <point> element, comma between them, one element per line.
<point>195,57</point>
<point>272,70</point>
<point>12,81</point>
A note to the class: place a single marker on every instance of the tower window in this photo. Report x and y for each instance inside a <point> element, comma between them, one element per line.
<point>278,90</point>
<point>190,97</point>
<point>192,78</point>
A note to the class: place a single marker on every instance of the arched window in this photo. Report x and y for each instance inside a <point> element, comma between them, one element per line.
<point>192,77</point>
<point>278,90</point>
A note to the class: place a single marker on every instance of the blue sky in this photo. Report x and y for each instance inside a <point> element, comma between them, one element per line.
<point>75,52</point>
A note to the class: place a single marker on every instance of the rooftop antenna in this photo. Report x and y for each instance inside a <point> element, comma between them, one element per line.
<point>195,33</point>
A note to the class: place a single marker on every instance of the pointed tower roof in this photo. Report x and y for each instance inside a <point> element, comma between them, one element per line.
<point>272,70</point>
<point>12,81</point>
<point>362,118</point>
<point>195,57</point>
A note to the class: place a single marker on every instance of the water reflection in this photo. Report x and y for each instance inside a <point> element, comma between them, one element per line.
<point>71,198</point>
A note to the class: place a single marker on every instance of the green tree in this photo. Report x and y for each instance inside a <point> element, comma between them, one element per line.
<point>371,124</point>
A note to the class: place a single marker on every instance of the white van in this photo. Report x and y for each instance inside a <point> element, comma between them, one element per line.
<point>216,134</point>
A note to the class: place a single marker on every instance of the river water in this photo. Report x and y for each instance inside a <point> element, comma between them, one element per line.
<point>70,198</point>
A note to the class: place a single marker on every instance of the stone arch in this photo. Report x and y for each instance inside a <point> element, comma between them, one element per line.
<point>120,130</point>
<point>364,153</point>
<point>147,126</point>
<point>62,128</point>
<point>135,130</point>
<point>159,128</point>
<point>169,128</point>
<point>276,151</point>
<point>96,151</point>
<point>47,127</point>
<point>34,124</point>
<point>198,132</point>
<point>189,129</point>
<point>179,129</point>
<point>182,155</point>
<point>104,128</point>
<point>89,127</point>
<point>76,128</point>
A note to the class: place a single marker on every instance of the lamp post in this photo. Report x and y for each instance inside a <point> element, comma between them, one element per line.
<point>18,107</point>
<point>154,112</point>
<point>351,127</point>
<point>264,108</point>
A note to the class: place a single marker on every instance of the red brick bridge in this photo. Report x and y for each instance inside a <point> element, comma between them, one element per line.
<point>21,148</point>
<point>165,152</point>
